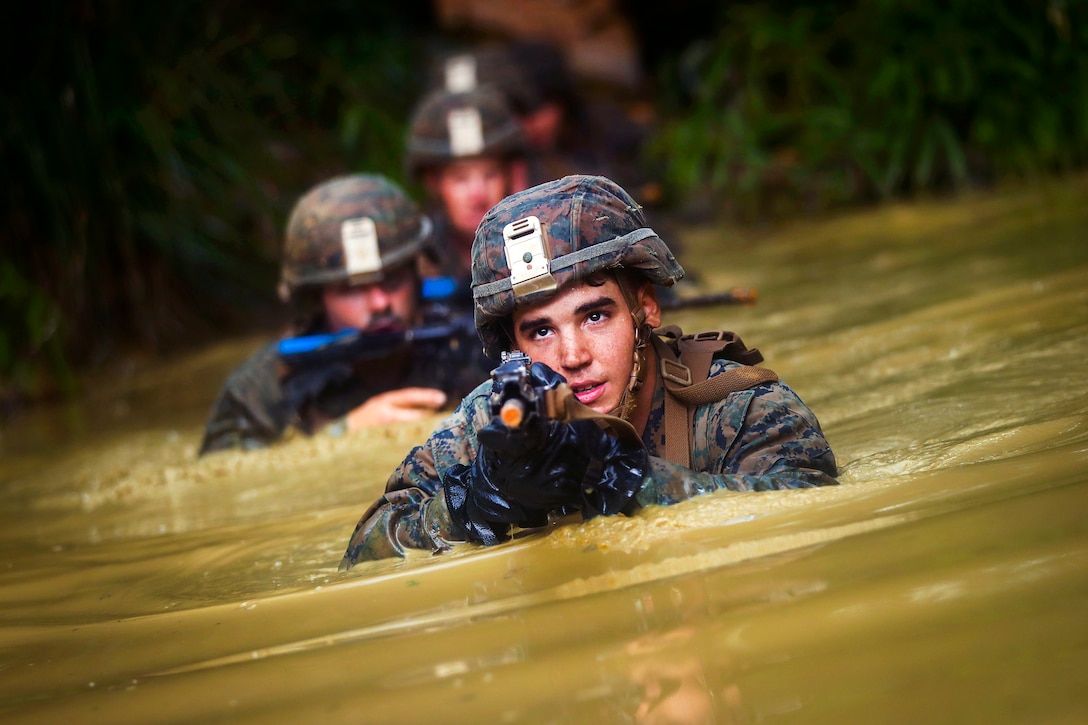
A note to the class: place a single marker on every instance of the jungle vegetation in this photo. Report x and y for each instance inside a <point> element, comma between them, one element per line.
<point>151,152</point>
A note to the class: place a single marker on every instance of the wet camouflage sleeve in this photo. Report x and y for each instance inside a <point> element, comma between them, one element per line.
<point>410,515</point>
<point>257,405</point>
<point>249,411</point>
<point>760,439</point>
<point>755,440</point>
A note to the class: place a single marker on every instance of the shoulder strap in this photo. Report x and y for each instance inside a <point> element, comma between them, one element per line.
<point>563,406</point>
<point>687,385</point>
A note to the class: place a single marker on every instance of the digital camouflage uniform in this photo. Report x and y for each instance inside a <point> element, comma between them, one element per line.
<point>755,439</point>
<point>262,398</point>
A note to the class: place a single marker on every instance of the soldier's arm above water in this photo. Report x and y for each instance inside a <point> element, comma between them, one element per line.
<point>565,273</point>
<point>249,411</point>
<point>760,439</point>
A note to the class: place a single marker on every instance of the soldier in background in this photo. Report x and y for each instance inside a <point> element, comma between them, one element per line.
<point>565,132</point>
<point>468,151</point>
<point>579,129</point>
<point>352,257</point>
<point>569,126</point>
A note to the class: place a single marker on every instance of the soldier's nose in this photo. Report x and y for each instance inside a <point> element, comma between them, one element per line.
<point>573,352</point>
<point>377,299</point>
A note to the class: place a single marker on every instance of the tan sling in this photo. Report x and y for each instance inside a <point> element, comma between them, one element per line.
<point>685,362</point>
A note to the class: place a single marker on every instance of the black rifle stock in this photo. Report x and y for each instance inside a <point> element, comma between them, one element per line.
<point>446,347</point>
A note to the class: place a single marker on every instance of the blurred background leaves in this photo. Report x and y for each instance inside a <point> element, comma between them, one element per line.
<point>786,108</point>
<point>151,153</point>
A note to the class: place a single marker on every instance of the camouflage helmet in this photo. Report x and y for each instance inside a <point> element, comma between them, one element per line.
<point>577,225</point>
<point>449,126</point>
<point>351,229</point>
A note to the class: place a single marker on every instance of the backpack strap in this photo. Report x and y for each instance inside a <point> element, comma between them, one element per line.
<point>685,362</point>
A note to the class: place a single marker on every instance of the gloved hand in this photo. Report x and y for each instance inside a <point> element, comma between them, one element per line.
<point>303,386</point>
<point>521,475</point>
<point>614,473</point>
<point>477,496</point>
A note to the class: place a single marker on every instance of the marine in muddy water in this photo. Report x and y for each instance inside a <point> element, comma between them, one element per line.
<point>468,151</point>
<point>567,273</point>
<point>352,256</point>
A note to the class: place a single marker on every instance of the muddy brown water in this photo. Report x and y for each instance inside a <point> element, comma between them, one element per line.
<point>942,346</point>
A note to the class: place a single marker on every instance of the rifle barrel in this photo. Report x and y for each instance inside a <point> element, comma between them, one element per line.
<point>352,344</point>
<point>735,296</point>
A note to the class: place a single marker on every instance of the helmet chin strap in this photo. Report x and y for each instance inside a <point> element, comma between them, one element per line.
<point>638,364</point>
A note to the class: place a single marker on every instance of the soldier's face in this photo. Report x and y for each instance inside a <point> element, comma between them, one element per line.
<point>361,305</point>
<point>587,334</point>
<point>468,189</point>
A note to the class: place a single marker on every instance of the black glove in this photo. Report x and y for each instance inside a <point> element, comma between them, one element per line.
<point>614,474</point>
<point>303,387</point>
<point>522,474</point>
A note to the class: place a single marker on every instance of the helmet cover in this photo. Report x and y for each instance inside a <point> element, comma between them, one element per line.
<point>586,224</point>
<point>352,229</point>
<point>451,126</point>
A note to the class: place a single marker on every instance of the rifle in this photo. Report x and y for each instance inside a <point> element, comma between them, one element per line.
<point>440,323</point>
<point>735,296</point>
<point>515,401</point>
<point>445,341</point>
<point>352,344</point>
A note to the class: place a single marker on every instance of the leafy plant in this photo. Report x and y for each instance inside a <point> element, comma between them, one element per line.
<point>150,154</point>
<point>834,103</point>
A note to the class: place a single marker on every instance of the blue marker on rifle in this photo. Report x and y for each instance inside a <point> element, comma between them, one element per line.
<point>309,343</point>
<point>351,344</point>
<point>438,288</point>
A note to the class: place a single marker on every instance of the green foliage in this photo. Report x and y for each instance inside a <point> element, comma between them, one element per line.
<point>29,329</point>
<point>151,153</point>
<point>831,103</point>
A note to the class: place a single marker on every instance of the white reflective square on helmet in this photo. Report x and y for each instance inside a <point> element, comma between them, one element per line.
<point>527,256</point>
<point>460,73</point>
<point>359,237</point>
<point>466,131</point>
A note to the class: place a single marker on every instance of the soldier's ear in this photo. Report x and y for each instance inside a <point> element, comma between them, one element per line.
<point>647,300</point>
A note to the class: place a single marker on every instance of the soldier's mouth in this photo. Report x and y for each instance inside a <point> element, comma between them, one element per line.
<point>587,394</point>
